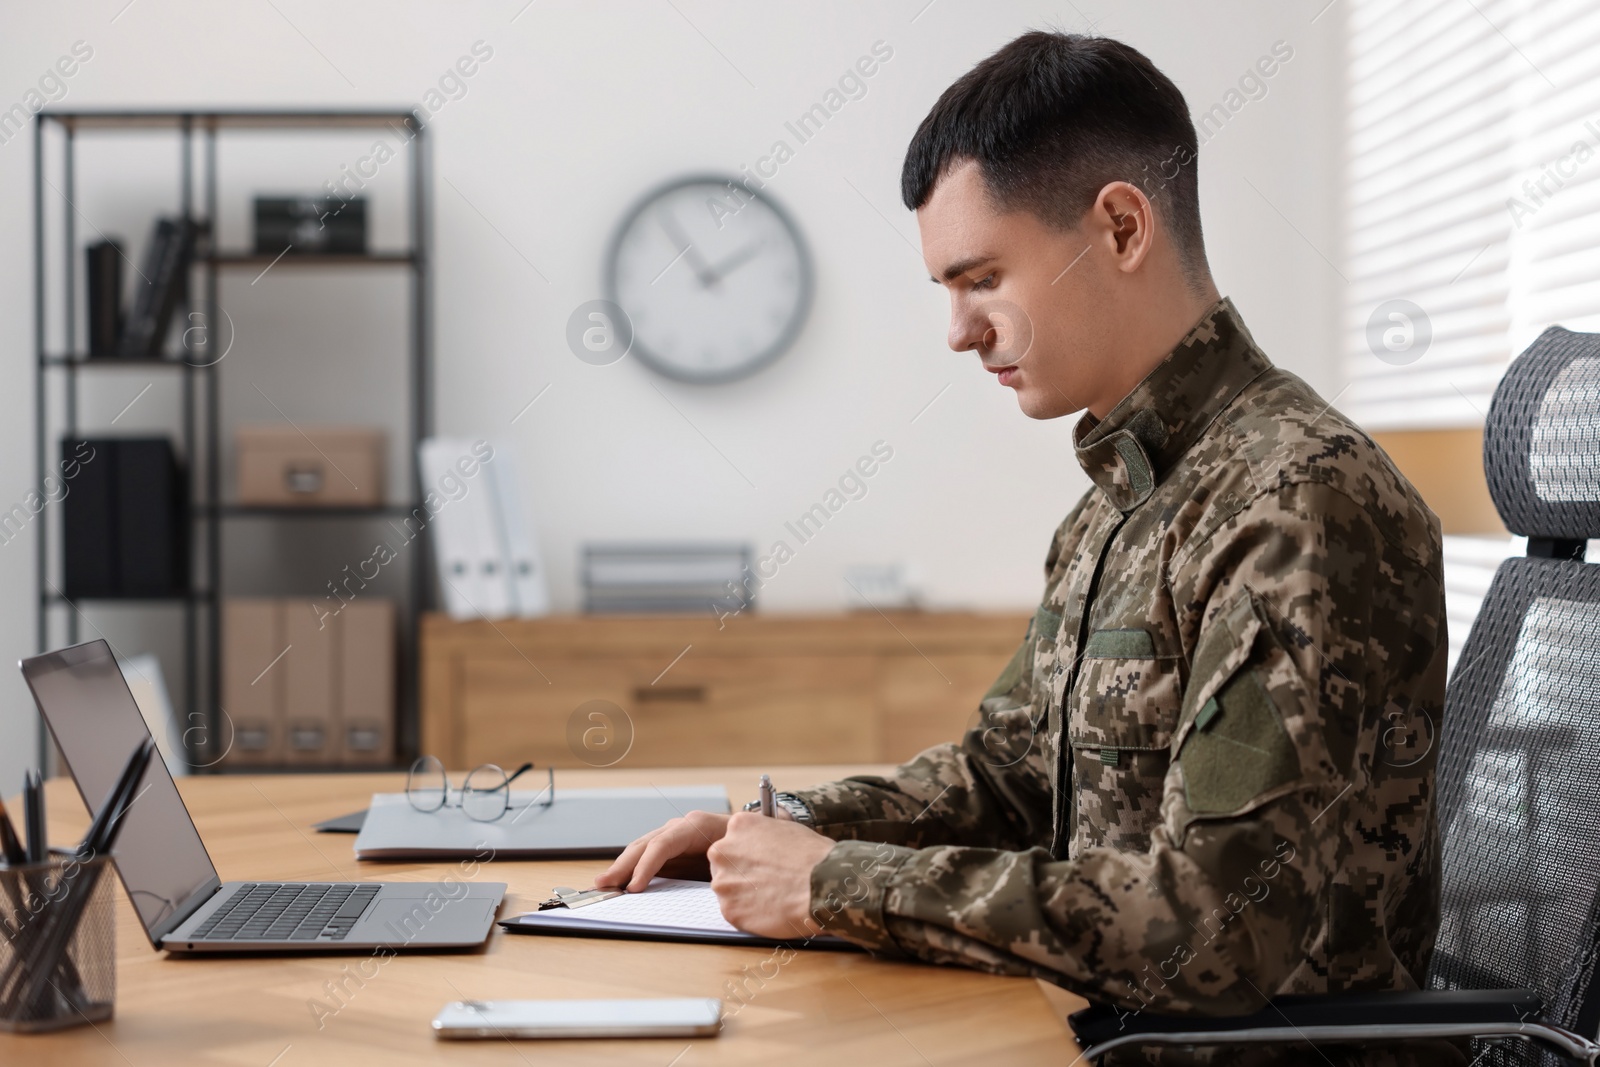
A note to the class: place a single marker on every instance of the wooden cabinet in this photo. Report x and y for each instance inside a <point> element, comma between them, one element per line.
<point>681,691</point>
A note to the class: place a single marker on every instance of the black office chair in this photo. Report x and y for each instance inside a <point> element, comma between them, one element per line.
<point>1518,774</point>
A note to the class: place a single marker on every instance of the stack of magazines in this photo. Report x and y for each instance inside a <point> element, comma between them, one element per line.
<point>670,578</point>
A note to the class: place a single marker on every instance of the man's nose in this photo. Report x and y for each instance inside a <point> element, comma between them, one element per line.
<point>968,328</point>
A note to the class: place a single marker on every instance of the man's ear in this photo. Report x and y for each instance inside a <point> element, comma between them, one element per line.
<point>1124,222</point>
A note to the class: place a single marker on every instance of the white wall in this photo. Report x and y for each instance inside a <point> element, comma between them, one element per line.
<point>581,108</point>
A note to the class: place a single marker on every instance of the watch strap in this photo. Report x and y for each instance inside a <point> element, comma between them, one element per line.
<point>797,808</point>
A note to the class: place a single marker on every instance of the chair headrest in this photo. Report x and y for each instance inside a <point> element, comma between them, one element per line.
<point>1541,441</point>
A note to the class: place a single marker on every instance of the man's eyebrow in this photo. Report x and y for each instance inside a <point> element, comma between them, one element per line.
<point>956,270</point>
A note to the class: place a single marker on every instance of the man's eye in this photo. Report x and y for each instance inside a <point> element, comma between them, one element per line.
<point>985,282</point>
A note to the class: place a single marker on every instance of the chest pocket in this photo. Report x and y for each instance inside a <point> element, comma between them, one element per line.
<point>1122,714</point>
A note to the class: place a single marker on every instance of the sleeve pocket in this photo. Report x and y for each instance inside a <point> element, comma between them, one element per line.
<point>1231,745</point>
<point>1237,750</point>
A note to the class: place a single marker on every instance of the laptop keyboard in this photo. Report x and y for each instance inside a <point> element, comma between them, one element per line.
<point>289,911</point>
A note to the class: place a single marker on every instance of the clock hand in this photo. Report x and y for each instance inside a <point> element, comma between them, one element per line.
<point>717,271</point>
<point>685,247</point>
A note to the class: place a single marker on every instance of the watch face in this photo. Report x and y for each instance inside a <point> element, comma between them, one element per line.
<point>713,277</point>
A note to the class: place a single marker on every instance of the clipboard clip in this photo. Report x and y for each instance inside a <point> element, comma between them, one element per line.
<point>567,897</point>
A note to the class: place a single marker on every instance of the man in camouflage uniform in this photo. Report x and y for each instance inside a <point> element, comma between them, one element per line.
<point>1205,778</point>
<point>1197,784</point>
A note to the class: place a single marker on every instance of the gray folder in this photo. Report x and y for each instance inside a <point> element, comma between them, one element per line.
<point>581,823</point>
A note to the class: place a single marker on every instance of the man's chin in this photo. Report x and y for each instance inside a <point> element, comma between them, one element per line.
<point>1038,404</point>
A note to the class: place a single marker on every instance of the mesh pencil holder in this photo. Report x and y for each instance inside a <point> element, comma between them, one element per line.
<point>58,956</point>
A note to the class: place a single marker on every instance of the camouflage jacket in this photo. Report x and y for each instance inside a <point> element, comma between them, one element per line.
<point>1207,775</point>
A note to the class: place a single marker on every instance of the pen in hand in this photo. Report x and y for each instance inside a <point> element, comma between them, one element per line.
<point>769,806</point>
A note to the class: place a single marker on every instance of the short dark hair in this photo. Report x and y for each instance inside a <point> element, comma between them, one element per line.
<point>1050,119</point>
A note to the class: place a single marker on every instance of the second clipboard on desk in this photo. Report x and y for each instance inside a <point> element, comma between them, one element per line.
<point>568,823</point>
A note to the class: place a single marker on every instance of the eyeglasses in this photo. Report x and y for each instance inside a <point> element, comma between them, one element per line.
<point>485,796</point>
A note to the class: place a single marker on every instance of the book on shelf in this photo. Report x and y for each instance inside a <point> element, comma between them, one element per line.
<point>103,273</point>
<point>162,283</point>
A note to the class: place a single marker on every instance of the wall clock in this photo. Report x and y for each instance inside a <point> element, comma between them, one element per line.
<point>715,279</point>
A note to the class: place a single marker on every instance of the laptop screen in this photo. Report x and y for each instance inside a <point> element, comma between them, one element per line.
<point>97,724</point>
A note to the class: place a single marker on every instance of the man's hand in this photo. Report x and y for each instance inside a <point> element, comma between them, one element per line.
<point>677,849</point>
<point>761,873</point>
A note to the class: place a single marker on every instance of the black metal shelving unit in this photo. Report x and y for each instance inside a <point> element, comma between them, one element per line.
<point>200,392</point>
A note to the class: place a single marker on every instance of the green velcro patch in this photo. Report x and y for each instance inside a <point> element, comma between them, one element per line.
<point>1013,672</point>
<point>1110,756</point>
<point>1046,624</point>
<point>1245,753</point>
<point>1140,478</point>
<point>1207,714</point>
<point>1120,644</point>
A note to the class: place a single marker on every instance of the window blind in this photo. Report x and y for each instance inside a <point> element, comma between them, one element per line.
<point>1472,214</point>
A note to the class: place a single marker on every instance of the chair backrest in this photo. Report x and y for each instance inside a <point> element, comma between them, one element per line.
<point>1519,760</point>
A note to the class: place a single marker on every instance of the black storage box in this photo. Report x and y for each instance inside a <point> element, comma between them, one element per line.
<point>310,226</point>
<point>125,520</point>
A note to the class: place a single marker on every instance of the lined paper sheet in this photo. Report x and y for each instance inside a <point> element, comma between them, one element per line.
<point>674,902</point>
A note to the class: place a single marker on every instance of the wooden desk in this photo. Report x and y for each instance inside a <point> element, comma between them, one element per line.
<point>256,1011</point>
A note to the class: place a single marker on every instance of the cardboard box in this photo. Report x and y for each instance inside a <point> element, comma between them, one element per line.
<point>252,684</point>
<point>310,699</point>
<point>304,690</point>
<point>366,681</point>
<point>309,466</point>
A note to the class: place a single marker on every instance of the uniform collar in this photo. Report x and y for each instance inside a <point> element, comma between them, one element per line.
<point>1129,451</point>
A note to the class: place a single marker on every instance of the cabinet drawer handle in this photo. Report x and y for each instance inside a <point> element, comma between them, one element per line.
<point>670,694</point>
<point>303,478</point>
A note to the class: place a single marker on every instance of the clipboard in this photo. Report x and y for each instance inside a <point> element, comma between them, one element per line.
<point>554,924</point>
<point>672,909</point>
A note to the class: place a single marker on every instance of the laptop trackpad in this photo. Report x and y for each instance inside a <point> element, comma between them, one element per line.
<point>427,920</point>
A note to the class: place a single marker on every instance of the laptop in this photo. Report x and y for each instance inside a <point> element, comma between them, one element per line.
<point>168,874</point>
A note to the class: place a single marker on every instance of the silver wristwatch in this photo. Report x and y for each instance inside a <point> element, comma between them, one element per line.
<point>798,809</point>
